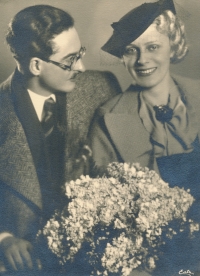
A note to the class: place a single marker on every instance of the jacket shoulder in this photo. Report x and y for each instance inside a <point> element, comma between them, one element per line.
<point>5,86</point>
<point>185,80</point>
<point>122,103</point>
<point>99,84</point>
<point>189,85</point>
<point>109,105</point>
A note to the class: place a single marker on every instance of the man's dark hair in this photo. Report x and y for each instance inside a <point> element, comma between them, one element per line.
<point>32,29</point>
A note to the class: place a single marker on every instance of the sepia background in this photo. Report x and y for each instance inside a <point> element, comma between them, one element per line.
<point>92,20</point>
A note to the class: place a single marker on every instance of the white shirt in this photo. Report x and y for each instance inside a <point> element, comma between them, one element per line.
<point>38,103</point>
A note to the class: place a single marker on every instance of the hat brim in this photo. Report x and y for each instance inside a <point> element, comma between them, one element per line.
<point>133,24</point>
<point>114,45</point>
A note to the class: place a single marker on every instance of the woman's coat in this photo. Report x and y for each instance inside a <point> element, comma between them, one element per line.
<point>118,133</point>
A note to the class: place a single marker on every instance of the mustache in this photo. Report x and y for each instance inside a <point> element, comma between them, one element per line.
<point>74,75</point>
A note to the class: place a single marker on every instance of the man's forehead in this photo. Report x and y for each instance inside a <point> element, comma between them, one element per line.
<point>66,43</point>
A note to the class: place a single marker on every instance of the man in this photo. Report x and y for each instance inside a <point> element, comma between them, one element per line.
<point>34,134</point>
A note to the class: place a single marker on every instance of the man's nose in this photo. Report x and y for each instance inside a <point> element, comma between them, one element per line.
<point>79,66</point>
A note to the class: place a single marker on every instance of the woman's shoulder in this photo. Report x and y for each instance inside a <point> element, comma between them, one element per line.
<point>120,103</point>
<point>189,85</point>
<point>184,79</point>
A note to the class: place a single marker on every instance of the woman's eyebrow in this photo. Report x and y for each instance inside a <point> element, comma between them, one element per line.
<point>148,42</point>
<point>152,42</point>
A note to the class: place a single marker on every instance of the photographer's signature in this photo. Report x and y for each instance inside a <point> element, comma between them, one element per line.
<point>185,272</point>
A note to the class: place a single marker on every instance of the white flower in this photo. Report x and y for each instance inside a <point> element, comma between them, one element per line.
<point>194,227</point>
<point>140,174</point>
<point>142,206</point>
<point>112,180</point>
<point>151,263</point>
<point>152,189</point>
<point>138,241</point>
<point>96,184</point>
<point>118,224</point>
<point>54,245</point>
<point>68,191</point>
<point>56,224</point>
<point>78,181</point>
<point>133,171</point>
<point>126,166</point>
<point>85,178</point>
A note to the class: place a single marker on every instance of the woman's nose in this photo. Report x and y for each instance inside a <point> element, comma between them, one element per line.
<point>142,57</point>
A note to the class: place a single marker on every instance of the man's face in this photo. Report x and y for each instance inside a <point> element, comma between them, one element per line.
<point>53,78</point>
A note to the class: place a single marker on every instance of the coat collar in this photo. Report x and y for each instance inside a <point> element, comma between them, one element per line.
<point>125,126</point>
<point>190,90</point>
<point>126,129</point>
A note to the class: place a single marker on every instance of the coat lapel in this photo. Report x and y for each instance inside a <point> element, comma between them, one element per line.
<point>28,118</point>
<point>190,90</point>
<point>125,126</point>
<point>35,136</point>
<point>17,168</point>
<point>126,129</point>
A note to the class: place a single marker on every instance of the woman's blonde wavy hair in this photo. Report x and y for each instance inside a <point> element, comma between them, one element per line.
<point>170,24</point>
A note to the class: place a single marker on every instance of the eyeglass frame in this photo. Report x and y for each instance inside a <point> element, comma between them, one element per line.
<point>74,60</point>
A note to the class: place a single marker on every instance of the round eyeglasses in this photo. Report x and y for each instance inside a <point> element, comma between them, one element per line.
<point>70,63</point>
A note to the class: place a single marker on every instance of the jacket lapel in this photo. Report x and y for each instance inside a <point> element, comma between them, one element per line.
<point>17,168</point>
<point>28,118</point>
<point>190,90</point>
<point>125,126</point>
<point>126,129</point>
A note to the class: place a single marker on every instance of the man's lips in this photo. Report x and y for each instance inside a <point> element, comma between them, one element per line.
<point>145,72</point>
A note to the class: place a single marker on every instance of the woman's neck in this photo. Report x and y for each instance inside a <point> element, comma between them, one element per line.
<point>159,95</point>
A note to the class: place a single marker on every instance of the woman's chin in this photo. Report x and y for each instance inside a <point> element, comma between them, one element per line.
<point>145,81</point>
<point>144,84</point>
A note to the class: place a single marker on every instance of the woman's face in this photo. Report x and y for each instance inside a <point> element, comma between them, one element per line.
<point>148,58</point>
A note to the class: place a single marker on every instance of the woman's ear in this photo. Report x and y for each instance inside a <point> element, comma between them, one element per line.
<point>35,66</point>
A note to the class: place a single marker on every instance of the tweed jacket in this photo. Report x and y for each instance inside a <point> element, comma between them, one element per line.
<point>21,142</point>
<point>118,133</point>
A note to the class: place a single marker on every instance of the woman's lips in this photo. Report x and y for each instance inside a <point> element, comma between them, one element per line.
<point>145,72</point>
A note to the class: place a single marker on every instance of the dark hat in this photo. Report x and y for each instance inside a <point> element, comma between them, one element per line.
<point>133,24</point>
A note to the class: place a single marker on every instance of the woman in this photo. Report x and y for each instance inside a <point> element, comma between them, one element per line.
<point>154,122</point>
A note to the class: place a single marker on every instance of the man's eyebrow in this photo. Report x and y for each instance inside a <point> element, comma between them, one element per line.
<point>70,55</point>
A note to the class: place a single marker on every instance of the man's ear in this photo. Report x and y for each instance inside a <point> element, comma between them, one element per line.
<point>35,66</point>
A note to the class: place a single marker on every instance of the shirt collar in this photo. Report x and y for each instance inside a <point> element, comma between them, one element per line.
<point>38,102</point>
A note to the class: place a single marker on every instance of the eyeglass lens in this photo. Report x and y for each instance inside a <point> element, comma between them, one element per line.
<point>77,57</point>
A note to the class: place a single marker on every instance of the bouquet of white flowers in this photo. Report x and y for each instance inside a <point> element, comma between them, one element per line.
<point>119,221</point>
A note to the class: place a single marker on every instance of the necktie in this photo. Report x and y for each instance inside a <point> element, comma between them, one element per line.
<point>48,116</point>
